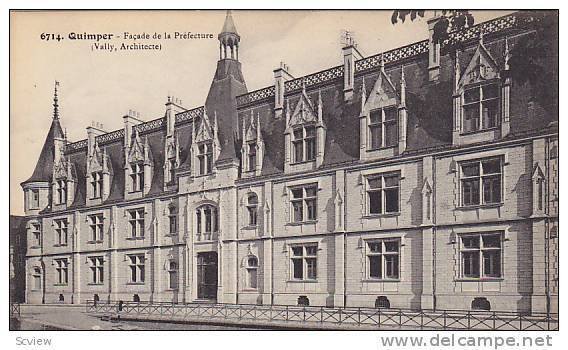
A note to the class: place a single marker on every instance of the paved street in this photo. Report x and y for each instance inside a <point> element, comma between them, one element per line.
<point>66,317</point>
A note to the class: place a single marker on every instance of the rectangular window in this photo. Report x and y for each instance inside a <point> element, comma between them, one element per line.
<point>383,193</point>
<point>304,262</point>
<point>136,221</point>
<point>34,199</point>
<point>383,128</point>
<point>61,271</point>
<point>172,220</point>
<point>481,181</point>
<point>96,227</point>
<point>480,108</point>
<point>97,184</point>
<point>251,156</point>
<point>481,255</point>
<point>205,157</point>
<point>303,203</point>
<point>383,259</point>
<point>304,144</point>
<point>97,269</point>
<point>36,235</point>
<point>137,268</point>
<point>137,176</point>
<point>61,191</point>
<point>61,231</point>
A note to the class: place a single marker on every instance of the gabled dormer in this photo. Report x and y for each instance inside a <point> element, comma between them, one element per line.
<point>205,147</point>
<point>63,183</point>
<point>99,172</point>
<point>252,149</point>
<point>481,98</point>
<point>138,167</point>
<point>383,118</point>
<point>305,134</point>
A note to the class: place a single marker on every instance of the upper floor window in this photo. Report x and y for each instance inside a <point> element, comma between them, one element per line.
<point>136,220</point>
<point>481,255</point>
<point>304,262</point>
<point>383,194</point>
<point>173,275</point>
<point>97,184</point>
<point>304,203</point>
<point>172,220</point>
<point>252,272</point>
<point>207,220</point>
<point>36,235</point>
<point>35,199</point>
<point>205,158</point>
<point>97,269</point>
<point>96,227</point>
<point>137,176</point>
<point>62,272</point>
<point>61,231</point>
<point>481,181</point>
<point>383,259</point>
<point>172,169</point>
<point>137,265</point>
<point>251,156</point>
<point>480,107</point>
<point>304,143</point>
<point>61,191</point>
<point>383,128</point>
<point>252,208</point>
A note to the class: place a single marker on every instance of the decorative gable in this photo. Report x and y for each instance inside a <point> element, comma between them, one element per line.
<point>252,149</point>
<point>304,112</point>
<point>382,95</point>
<point>482,67</point>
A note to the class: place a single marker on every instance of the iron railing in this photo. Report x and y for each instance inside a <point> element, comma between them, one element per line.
<point>14,310</point>
<point>325,317</point>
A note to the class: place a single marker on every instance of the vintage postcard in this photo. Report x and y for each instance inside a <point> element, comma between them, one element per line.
<point>308,169</point>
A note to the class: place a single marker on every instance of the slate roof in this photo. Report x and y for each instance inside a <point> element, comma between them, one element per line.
<point>44,167</point>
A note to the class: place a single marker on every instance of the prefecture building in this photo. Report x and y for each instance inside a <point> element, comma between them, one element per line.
<point>409,179</point>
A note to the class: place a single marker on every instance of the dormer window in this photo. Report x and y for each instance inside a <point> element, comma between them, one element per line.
<point>304,144</point>
<point>480,107</point>
<point>383,128</point>
<point>97,184</point>
<point>205,158</point>
<point>61,191</point>
<point>137,176</point>
<point>251,156</point>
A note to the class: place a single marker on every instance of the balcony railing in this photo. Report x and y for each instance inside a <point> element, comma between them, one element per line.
<point>313,316</point>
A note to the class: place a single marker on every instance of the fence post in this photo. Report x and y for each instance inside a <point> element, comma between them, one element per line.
<point>287,313</point>
<point>359,316</point>
<point>469,320</point>
<point>421,319</point>
<point>494,320</point>
<point>321,315</point>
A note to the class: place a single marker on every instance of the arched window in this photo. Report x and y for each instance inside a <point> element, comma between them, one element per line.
<point>136,298</point>
<point>207,221</point>
<point>382,302</point>
<point>252,272</point>
<point>173,275</point>
<point>252,208</point>
<point>481,304</point>
<point>37,278</point>
<point>303,301</point>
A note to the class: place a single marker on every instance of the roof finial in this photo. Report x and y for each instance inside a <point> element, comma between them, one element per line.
<point>481,34</point>
<point>382,62</point>
<point>507,53</point>
<point>55,102</point>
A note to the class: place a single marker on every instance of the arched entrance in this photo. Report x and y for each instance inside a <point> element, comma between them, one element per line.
<point>207,275</point>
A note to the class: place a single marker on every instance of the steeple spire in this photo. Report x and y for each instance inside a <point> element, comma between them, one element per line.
<point>55,102</point>
<point>229,39</point>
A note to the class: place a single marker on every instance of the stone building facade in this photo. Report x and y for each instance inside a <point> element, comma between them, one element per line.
<point>406,179</point>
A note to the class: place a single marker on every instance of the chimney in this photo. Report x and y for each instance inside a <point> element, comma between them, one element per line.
<point>173,106</point>
<point>130,119</point>
<point>281,76</point>
<point>433,50</point>
<point>93,131</point>
<point>350,55</point>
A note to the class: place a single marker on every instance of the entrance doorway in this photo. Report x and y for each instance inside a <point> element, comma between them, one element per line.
<point>207,275</point>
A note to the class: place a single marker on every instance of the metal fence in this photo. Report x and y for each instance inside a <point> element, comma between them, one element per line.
<point>297,316</point>
<point>14,309</point>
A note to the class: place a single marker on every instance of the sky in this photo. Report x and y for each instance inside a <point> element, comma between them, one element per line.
<point>101,86</point>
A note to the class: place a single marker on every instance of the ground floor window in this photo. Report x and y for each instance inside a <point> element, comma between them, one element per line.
<point>62,272</point>
<point>383,259</point>
<point>304,262</point>
<point>481,255</point>
<point>36,278</point>
<point>252,272</point>
<point>173,275</point>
